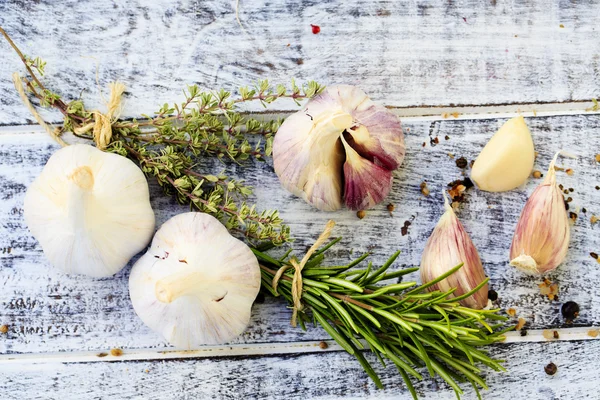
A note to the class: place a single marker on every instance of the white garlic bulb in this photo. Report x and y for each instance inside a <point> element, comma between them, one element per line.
<point>341,148</point>
<point>541,238</point>
<point>448,246</point>
<point>507,159</point>
<point>90,211</point>
<point>196,284</point>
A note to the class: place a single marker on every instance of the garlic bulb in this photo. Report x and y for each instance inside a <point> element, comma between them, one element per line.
<point>448,246</point>
<point>341,148</point>
<point>90,211</point>
<point>506,160</point>
<point>541,238</point>
<point>196,283</point>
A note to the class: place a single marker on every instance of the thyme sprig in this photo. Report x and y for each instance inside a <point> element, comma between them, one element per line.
<point>399,322</point>
<point>171,143</point>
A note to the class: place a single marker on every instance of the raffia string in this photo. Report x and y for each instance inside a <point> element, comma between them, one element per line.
<point>21,90</point>
<point>298,266</point>
<point>102,125</point>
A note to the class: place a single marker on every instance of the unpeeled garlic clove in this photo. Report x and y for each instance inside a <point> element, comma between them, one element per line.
<point>507,159</point>
<point>340,136</point>
<point>196,284</point>
<point>541,238</point>
<point>90,211</point>
<point>448,246</point>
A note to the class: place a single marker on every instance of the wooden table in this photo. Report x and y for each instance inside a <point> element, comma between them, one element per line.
<point>483,59</point>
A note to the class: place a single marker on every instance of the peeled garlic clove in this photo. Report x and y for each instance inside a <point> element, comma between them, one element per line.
<point>541,238</point>
<point>311,161</point>
<point>196,284</point>
<point>365,184</point>
<point>90,211</point>
<point>506,160</point>
<point>448,246</point>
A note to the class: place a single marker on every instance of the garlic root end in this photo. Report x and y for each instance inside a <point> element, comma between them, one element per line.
<point>525,263</point>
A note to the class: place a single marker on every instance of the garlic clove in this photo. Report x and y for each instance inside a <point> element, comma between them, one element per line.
<point>196,284</point>
<point>507,159</point>
<point>542,235</point>
<point>90,211</point>
<point>448,246</point>
<point>309,157</point>
<point>365,184</point>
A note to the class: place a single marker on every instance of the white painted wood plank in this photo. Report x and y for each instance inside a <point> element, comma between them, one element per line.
<point>48,311</point>
<point>263,349</point>
<point>411,53</point>
<point>306,376</point>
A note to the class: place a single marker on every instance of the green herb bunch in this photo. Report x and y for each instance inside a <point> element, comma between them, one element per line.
<point>399,322</point>
<point>170,144</point>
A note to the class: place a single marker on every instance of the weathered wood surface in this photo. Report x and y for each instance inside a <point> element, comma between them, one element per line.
<point>49,311</point>
<point>402,53</point>
<point>313,376</point>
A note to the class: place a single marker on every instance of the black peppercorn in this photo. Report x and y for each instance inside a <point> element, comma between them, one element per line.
<point>570,311</point>
<point>550,369</point>
<point>462,162</point>
<point>492,295</point>
<point>523,332</point>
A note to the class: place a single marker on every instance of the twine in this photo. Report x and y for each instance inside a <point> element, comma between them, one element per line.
<point>298,266</point>
<point>21,90</point>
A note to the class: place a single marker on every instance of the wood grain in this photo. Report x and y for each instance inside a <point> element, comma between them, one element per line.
<point>48,311</point>
<point>403,54</point>
<point>313,376</point>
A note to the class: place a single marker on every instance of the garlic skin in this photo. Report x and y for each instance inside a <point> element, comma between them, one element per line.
<point>340,149</point>
<point>448,246</point>
<point>90,211</point>
<point>507,159</point>
<point>542,235</point>
<point>196,284</point>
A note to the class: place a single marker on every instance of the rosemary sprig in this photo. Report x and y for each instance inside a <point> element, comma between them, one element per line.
<point>399,321</point>
<point>169,144</point>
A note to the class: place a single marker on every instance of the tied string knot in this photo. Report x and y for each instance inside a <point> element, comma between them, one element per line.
<point>298,266</point>
<point>102,125</point>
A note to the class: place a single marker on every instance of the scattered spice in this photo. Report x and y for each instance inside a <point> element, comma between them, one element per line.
<point>424,144</point>
<point>523,332</point>
<point>561,26</point>
<point>550,369</point>
<point>323,345</point>
<point>451,156</point>
<point>584,210</point>
<point>471,163</point>
<point>547,288</point>
<point>548,334</point>
<point>448,138</point>
<point>457,189</point>
<point>570,311</point>
<point>593,332</point>
<point>511,311</point>
<point>597,157</point>
<point>492,295</point>
<point>404,229</point>
<point>315,28</point>
<point>573,216</point>
<point>569,172</point>
<point>434,141</point>
<point>390,207</point>
<point>537,174</point>
<point>455,114</point>
<point>101,355</point>
<point>594,256</point>
<point>116,352</point>
<point>520,324</point>
<point>597,187</point>
<point>424,189</point>
<point>594,219</point>
<point>556,168</point>
<point>3,328</point>
<point>555,335</point>
<point>571,190</point>
<point>361,214</point>
<point>462,162</point>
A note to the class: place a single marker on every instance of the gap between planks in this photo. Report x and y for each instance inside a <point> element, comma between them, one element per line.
<point>418,114</point>
<point>260,349</point>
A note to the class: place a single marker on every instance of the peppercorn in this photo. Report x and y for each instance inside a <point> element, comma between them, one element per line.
<point>550,369</point>
<point>570,311</point>
<point>537,174</point>
<point>323,345</point>
<point>361,214</point>
<point>390,207</point>
<point>492,295</point>
<point>462,162</point>
<point>523,332</point>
